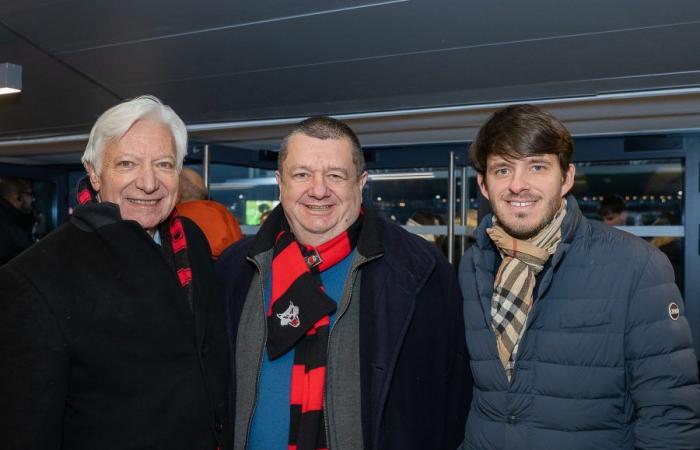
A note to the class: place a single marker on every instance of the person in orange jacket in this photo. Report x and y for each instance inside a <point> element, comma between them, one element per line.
<point>216,222</point>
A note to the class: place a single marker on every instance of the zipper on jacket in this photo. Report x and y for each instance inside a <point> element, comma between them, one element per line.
<point>261,353</point>
<point>327,412</point>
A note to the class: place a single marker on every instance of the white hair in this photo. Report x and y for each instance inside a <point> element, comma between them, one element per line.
<point>114,123</point>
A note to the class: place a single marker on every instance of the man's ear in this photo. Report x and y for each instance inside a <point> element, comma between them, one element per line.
<point>278,178</point>
<point>569,177</point>
<point>363,180</point>
<point>94,178</point>
<point>481,181</point>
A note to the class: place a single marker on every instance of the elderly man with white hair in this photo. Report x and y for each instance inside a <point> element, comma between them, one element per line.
<point>111,336</point>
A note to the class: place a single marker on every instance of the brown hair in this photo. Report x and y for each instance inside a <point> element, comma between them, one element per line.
<point>324,127</point>
<point>518,131</point>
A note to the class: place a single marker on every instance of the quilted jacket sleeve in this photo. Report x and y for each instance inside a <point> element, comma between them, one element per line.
<point>661,365</point>
<point>33,368</point>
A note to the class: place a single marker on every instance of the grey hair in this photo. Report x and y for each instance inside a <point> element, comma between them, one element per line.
<point>114,123</point>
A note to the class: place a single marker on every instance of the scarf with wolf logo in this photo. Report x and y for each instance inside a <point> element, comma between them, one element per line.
<point>298,318</point>
<point>173,242</point>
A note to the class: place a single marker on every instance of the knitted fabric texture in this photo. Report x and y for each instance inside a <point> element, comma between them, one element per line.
<point>298,318</point>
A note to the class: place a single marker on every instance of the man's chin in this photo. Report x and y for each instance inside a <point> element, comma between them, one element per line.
<point>520,231</point>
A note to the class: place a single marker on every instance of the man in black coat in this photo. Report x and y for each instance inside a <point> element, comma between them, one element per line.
<point>111,336</point>
<point>16,217</point>
<point>345,329</point>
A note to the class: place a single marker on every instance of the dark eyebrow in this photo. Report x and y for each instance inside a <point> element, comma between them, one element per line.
<point>538,159</point>
<point>500,162</point>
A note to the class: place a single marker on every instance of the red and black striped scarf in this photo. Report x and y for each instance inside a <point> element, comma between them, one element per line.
<point>172,237</point>
<point>298,318</point>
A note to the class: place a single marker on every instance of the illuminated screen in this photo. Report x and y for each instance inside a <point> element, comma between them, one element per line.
<point>255,208</point>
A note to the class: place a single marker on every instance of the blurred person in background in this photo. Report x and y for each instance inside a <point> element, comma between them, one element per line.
<point>16,217</point>
<point>420,218</point>
<point>216,222</point>
<point>613,211</point>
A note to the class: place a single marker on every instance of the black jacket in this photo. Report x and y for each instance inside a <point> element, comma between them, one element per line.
<point>414,378</point>
<point>15,231</point>
<point>99,348</point>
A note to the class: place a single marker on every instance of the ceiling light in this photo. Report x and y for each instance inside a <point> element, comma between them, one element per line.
<point>10,78</point>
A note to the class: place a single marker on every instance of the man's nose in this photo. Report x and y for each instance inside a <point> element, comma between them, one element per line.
<point>147,180</point>
<point>319,189</point>
<point>519,182</point>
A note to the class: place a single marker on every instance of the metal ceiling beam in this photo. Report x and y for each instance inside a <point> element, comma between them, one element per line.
<point>671,110</point>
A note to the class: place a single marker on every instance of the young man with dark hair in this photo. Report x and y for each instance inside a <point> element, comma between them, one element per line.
<point>576,331</point>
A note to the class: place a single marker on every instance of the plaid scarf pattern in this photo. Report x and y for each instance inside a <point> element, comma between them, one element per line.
<point>515,283</point>
<point>172,236</point>
<point>298,318</point>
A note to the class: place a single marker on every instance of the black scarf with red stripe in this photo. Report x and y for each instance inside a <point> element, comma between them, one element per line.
<point>298,318</point>
<point>172,237</point>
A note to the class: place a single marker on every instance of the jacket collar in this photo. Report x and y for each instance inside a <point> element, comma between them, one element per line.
<point>571,225</point>
<point>92,216</point>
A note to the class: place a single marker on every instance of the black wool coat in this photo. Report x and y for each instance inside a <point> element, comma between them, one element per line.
<point>99,348</point>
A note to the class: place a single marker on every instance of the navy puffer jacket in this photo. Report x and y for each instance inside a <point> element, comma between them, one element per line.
<point>602,363</point>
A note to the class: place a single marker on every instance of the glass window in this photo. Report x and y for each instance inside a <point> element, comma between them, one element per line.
<point>399,195</point>
<point>247,192</point>
<point>649,191</point>
<point>643,197</point>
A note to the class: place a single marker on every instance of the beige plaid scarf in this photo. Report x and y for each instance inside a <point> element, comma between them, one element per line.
<point>515,282</point>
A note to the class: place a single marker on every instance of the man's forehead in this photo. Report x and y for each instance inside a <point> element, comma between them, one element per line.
<point>151,152</point>
<point>301,140</point>
<point>145,138</point>
<point>327,151</point>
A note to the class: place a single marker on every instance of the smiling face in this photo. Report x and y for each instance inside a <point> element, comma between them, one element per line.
<point>139,174</point>
<point>320,189</point>
<point>525,193</point>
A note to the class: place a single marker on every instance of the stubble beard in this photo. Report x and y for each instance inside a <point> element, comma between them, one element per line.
<point>527,233</point>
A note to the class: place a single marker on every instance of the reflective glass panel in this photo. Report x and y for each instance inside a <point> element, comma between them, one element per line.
<point>643,197</point>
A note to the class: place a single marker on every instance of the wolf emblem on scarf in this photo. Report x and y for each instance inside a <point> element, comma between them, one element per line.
<point>290,316</point>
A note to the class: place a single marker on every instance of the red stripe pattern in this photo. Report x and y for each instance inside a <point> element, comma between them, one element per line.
<point>298,318</point>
